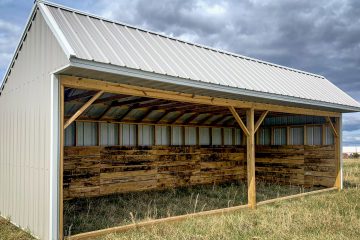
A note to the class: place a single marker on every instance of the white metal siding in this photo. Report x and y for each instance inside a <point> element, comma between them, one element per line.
<point>146,135</point>
<point>190,135</point>
<point>162,135</point>
<point>296,136</point>
<point>314,135</point>
<point>25,106</point>
<point>280,136</point>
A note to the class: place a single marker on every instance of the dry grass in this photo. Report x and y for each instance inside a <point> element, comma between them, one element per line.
<point>333,215</point>
<point>84,215</point>
<point>10,232</point>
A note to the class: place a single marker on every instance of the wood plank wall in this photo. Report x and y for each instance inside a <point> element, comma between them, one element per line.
<point>297,165</point>
<point>95,171</point>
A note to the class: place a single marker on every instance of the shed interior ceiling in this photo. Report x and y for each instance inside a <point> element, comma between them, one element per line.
<point>131,109</point>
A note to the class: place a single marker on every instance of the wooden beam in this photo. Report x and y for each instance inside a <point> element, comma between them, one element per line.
<point>117,88</point>
<point>61,164</point>
<point>250,152</point>
<point>328,119</point>
<point>82,109</point>
<point>260,120</point>
<point>239,121</point>
<point>300,195</point>
<point>337,142</point>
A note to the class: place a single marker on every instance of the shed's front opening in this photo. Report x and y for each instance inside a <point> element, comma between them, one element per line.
<point>130,159</point>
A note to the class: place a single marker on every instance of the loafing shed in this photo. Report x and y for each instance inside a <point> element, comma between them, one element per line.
<point>91,107</point>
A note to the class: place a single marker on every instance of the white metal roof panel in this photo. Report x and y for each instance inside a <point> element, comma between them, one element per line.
<point>99,40</point>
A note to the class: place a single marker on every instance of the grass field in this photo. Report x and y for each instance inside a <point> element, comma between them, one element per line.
<point>333,215</point>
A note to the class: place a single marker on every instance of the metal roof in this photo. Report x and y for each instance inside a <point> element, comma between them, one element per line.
<point>91,38</point>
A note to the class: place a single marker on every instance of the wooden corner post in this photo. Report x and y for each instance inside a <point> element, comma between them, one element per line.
<point>338,152</point>
<point>250,146</point>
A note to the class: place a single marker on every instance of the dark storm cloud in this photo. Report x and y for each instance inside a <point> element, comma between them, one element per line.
<point>317,36</point>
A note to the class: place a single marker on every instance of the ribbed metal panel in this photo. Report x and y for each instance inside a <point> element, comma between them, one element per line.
<point>216,136</point>
<point>228,136</point>
<point>297,136</point>
<point>329,136</point>
<point>190,136</point>
<point>176,135</point>
<point>279,136</point>
<point>264,136</point>
<point>162,135</point>
<point>109,134</point>
<point>25,134</point>
<point>204,136</point>
<point>69,136</point>
<point>128,135</point>
<point>95,39</point>
<point>146,135</point>
<point>314,135</point>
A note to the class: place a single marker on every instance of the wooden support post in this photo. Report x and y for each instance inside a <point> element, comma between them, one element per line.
<point>250,146</point>
<point>61,167</point>
<point>337,141</point>
<point>82,109</point>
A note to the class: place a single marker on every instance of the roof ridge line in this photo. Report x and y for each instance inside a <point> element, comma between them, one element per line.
<point>176,39</point>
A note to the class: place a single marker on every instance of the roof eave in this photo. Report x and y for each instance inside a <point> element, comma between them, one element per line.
<point>124,71</point>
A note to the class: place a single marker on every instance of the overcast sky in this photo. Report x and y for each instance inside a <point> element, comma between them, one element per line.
<point>322,37</point>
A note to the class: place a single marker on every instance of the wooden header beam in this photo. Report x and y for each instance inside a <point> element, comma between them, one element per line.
<point>82,109</point>
<point>117,88</point>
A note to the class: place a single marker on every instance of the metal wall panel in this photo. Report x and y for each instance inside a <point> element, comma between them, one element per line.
<point>204,138</point>
<point>329,136</point>
<point>228,136</point>
<point>297,136</point>
<point>314,135</point>
<point>128,134</point>
<point>109,134</point>
<point>25,134</point>
<point>280,136</point>
<point>87,134</point>
<point>146,135</point>
<point>176,135</point>
<point>264,136</point>
<point>190,135</point>
<point>69,135</point>
<point>238,136</point>
<point>216,136</point>
<point>162,135</point>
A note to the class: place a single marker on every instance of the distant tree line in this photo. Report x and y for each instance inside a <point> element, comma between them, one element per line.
<point>351,155</point>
